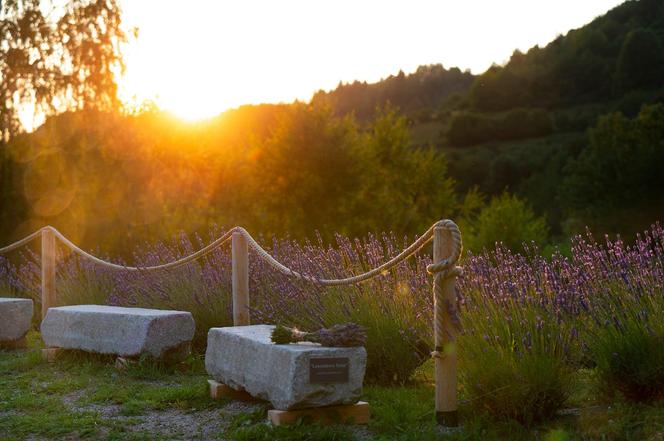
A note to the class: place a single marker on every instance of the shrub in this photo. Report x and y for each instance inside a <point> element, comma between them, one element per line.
<point>630,359</point>
<point>624,331</point>
<point>515,356</point>
<point>507,219</point>
<point>528,388</point>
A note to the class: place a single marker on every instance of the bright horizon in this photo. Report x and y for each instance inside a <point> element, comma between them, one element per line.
<point>212,56</point>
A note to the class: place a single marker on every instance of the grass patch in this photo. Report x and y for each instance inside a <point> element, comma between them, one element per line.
<point>83,396</point>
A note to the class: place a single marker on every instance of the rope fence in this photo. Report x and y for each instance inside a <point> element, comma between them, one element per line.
<point>447,248</point>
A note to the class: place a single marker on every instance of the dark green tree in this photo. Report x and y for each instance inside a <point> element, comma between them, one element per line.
<point>509,220</point>
<point>641,61</point>
<point>307,173</point>
<point>615,184</point>
<point>408,186</point>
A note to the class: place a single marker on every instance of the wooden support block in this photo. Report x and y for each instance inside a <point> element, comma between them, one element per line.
<point>50,354</point>
<point>349,414</point>
<point>221,390</point>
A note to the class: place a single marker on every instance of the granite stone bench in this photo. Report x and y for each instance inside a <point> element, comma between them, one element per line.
<point>15,320</point>
<point>126,332</point>
<point>293,376</point>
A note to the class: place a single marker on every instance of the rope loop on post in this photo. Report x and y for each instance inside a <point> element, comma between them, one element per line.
<point>444,265</point>
<point>441,271</point>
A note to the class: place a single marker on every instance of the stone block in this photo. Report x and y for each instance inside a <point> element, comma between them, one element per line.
<point>127,332</point>
<point>293,376</point>
<point>15,319</point>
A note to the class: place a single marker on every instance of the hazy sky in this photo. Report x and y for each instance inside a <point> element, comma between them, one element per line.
<point>200,57</point>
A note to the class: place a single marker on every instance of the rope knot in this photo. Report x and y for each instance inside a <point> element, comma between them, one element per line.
<point>445,265</point>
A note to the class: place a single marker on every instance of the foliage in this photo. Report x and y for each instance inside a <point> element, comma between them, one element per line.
<point>625,336</point>
<point>58,58</point>
<point>618,174</point>
<point>417,94</point>
<point>528,387</point>
<point>641,60</point>
<point>308,170</point>
<point>508,220</point>
<point>406,187</point>
<point>467,128</point>
<point>53,56</point>
<point>498,89</point>
<point>146,177</point>
<point>581,66</point>
<point>515,353</point>
<point>629,358</point>
<point>534,319</point>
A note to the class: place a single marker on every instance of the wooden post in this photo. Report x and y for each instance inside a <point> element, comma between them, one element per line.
<point>446,363</point>
<point>48,295</point>
<point>240,254</point>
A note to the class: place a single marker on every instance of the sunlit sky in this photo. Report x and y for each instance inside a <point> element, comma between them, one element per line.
<point>200,57</point>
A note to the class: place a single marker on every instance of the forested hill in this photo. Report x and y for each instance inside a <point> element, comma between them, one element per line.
<point>418,94</point>
<point>616,54</point>
<point>618,57</point>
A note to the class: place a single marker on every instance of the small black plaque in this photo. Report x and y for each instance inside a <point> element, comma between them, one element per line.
<point>328,370</point>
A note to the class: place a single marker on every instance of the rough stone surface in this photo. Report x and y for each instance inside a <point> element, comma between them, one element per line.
<point>243,357</point>
<point>128,332</point>
<point>15,318</point>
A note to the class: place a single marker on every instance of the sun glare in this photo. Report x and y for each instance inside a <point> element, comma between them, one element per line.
<point>200,59</point>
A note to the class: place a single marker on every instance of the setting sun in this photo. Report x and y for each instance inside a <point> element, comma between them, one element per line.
<point>199,60</point>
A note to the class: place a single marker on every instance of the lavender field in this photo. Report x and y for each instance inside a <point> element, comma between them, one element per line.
<point>536,320</point>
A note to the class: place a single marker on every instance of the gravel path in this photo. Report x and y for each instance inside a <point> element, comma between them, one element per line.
<point>207,424</point>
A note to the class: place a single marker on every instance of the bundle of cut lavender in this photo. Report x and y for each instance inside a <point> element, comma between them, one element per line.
<point>346,335</point>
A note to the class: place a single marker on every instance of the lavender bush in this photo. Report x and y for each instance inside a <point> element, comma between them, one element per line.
<point>535,319</point>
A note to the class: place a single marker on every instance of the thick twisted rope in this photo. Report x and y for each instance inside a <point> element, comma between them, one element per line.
<point>405,254</point>
<point>21,242</point>
<point>177,263</point>
<point>74,248</point>
<point>441,271</point>
<point>436,268</point>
